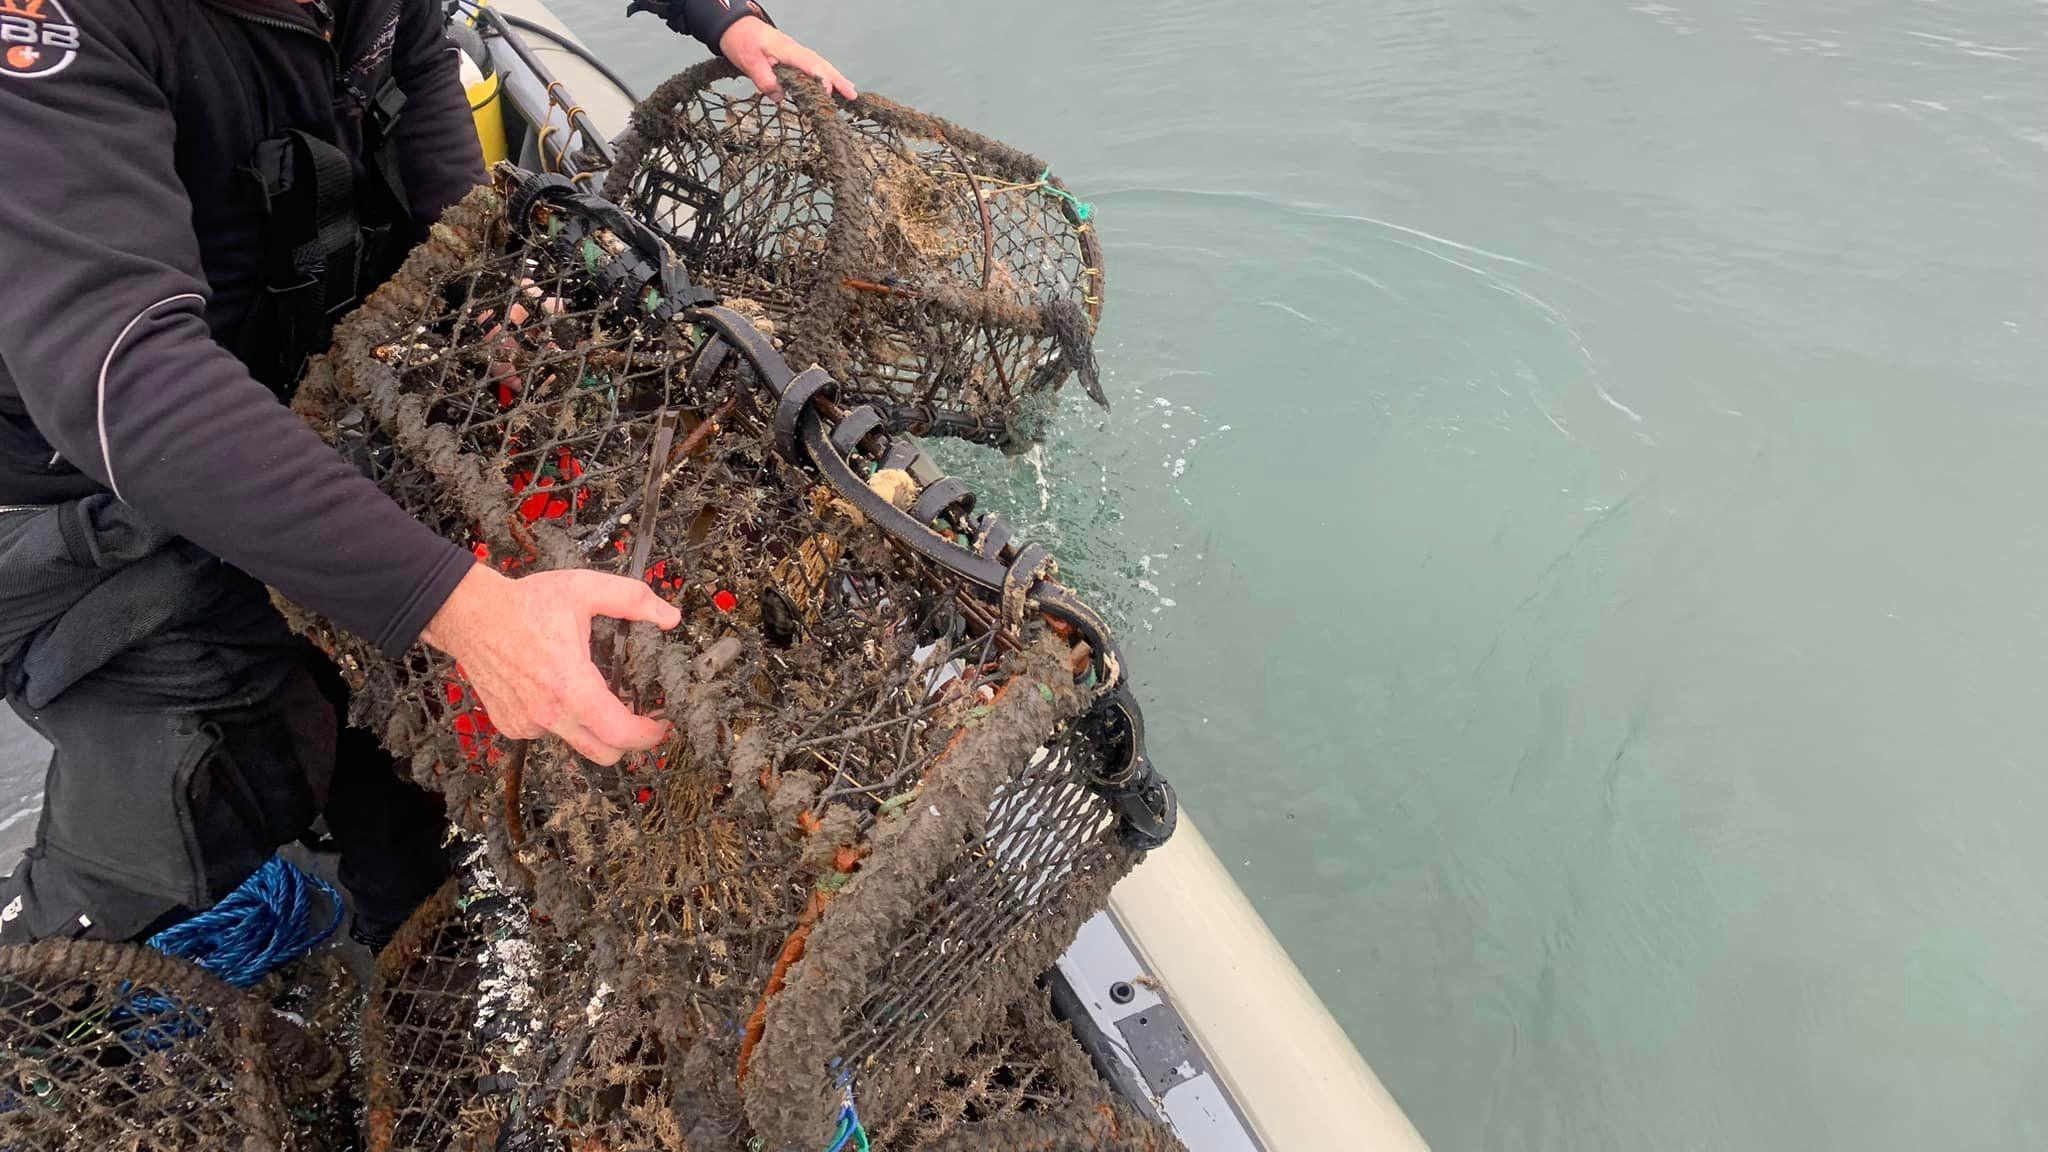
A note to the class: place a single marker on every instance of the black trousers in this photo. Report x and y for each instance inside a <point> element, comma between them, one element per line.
<point>192,735</point>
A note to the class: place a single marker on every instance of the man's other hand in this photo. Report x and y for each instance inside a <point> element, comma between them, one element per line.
<point>524,646</point>
<point>756,47</point>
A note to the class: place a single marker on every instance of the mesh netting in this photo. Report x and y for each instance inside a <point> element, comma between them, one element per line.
<point>425,1063</point>
<point>883,809</point>
<point>1026,1084</point>
<point>450,1042</point>
<point>1101,1127</point>
<point>944,277</point>
<point>114,1046</point>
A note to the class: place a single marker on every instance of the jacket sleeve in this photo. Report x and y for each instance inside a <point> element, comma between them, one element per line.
<point>104,330</point>
<point>707,20</point>
<point>439,158</point>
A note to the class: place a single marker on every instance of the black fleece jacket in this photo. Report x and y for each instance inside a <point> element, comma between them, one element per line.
<point>130,252</point>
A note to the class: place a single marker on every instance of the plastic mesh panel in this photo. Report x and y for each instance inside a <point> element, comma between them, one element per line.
<point>1045,829</point>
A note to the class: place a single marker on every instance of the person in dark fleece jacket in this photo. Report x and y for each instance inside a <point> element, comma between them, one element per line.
<point>171,164</point>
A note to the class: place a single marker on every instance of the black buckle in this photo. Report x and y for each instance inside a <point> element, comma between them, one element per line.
<point>385,106</point>
<point>381,108</point>
<point>272,167</point>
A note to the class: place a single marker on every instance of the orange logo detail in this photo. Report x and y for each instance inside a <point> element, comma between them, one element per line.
<point>33,9</point>
<point>22,57</point>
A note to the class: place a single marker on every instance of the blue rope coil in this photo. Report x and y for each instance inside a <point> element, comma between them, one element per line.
<point>156,1021</point>
<point>258,928</point>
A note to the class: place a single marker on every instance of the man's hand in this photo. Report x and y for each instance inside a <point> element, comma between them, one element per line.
<point>524,645</point>
<point>756,47</point>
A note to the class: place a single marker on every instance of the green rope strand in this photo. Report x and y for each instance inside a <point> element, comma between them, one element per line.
<point>1082,209</point>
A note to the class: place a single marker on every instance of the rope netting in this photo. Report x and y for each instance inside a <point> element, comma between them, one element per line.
<point>424,1050</point>
<point>1025,1084</point>
<point>903,769</point>
<point>946,278</point>
<point>116,1046</point>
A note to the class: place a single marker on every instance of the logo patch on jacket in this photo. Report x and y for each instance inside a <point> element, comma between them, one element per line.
<point>37,38</point>
<point>379,49</point>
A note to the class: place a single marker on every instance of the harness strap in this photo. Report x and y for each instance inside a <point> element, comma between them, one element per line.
<point>315,252</point>
<point>381,110</point>
<point>284,166</point>
<point>337,230</point>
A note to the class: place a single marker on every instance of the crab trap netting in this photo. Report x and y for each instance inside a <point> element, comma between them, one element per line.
<point>117,1046</point>
<point>946,278</point>
<point>904,763</point>
<point>455,1030</point>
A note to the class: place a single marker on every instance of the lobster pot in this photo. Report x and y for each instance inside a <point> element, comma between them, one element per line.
<point>883,807</point>
<point>449,1050</point>
<point>944,277</point>
<point>106,1046</point>
<point>1026,1085</point>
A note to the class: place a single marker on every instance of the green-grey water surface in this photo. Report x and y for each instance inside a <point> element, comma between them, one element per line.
<point>1574,500</point>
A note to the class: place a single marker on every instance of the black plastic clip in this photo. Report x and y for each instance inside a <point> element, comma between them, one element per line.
<point>855,428</point>
<point>902,450</point>
<point>995,536</point>
<point>947,492</point>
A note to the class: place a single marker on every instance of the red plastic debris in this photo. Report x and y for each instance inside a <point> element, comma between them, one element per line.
<point>473,728</point>
<point>658,578</point>
<point>543,505</point>
<point>571,470</point>
<point>725,600</point>
<point>643,796</point>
